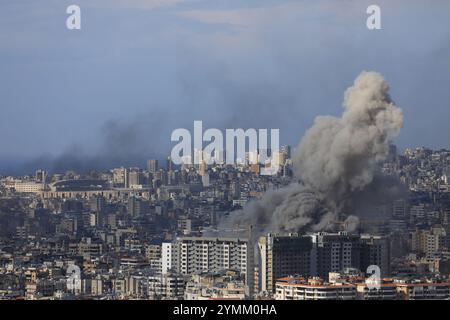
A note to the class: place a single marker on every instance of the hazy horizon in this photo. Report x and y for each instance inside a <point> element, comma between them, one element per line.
<point>112,92</point>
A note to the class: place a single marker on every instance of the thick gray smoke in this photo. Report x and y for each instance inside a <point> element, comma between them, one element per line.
<point>336,158</point>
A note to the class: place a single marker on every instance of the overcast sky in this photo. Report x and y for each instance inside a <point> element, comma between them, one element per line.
<point>139,69</point>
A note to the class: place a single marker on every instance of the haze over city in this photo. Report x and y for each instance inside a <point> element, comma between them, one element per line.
<point>112,92</point>
<point>224,151</point>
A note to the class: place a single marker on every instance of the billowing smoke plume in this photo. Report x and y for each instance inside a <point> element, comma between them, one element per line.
<point>336,159</point>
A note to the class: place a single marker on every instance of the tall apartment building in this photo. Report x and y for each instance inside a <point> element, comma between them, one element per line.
<point>189,255</point>
<point>168,256</point>
<point>317,255</point>
<point>428,242</point>
<point>132,177</point>
<point>375,250</point>
<point>137,207</point>
<point>333,252</point>
<point>281,256</point>
<point>152,165</point>
<point>97,203</point>
<point>119,175</point>
<point>135,178</point>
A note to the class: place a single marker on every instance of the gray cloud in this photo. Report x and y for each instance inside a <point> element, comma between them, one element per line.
<point>336,159</point>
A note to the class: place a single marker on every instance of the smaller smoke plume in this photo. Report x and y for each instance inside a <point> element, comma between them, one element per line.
<point>120,143</point>
<point>335,161</point>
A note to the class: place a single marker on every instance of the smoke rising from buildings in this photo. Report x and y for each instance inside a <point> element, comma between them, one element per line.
<point>335,161</point>
<point>118,143</point>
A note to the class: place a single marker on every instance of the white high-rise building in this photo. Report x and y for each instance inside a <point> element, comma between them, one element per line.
<point>166,257</point>
<point>189,255</point>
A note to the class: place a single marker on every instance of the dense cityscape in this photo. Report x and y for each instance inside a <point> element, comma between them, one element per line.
<point>156,233</point>
<point>226,159</point>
